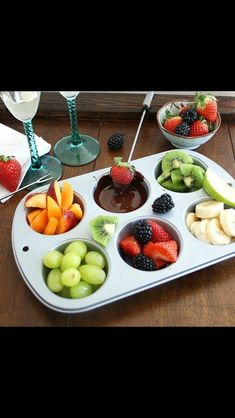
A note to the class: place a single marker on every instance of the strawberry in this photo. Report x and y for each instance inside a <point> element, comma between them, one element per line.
<point>172,121</point>
<point>10,172</point>
<point>122,173</point>
<point>198,128</point>
<point>159,234</point>
<point>160,263</point>
<point>130,246</point>
<point>206,105</point>
<point>166,251</point>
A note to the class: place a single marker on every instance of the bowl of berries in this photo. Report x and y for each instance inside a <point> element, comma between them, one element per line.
<point>189,124</point>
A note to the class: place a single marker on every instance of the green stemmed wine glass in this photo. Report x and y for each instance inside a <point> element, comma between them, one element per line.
<point>76,149</point>
<point>23,105</point>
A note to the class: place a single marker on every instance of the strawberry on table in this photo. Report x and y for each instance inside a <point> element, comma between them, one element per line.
<point>10,172</point>
<point>130,246</point>
<point>206,105</point>
<point>200,127</point>
<point>172,121</point>
<point>122,173</point>
<point>159,234</point>
<point>166,251</point>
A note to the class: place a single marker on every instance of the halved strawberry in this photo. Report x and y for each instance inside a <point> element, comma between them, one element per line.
<point>162,250</point>
<point>171,121</point>
<point>160,263</point>
<point>130,246</point>
<point>159,234</point>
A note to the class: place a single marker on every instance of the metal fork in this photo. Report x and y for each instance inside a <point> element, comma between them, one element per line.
<point>39,181</point>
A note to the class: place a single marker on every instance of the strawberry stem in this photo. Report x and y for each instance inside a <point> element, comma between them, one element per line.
<point>5,158</point>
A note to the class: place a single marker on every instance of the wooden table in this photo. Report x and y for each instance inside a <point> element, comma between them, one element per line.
<point>203,298</point>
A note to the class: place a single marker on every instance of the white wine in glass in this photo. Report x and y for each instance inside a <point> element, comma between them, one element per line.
<point>75,149</point>
<point>24,105</point>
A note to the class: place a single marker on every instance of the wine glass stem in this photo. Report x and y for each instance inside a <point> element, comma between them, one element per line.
<point>76,140</point>
<point>35,160</point>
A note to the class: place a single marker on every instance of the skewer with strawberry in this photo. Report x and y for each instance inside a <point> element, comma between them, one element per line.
<point>122,174</point>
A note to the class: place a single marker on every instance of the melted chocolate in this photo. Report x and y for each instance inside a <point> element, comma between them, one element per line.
<point>108,197</point>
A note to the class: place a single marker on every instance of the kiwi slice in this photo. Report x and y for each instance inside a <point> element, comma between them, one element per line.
<point>163,177</point>
<point>176,176</point>
<point>168,184</point>
<point>174,159</point>
<point>102,228</point>
<point>192,176</point>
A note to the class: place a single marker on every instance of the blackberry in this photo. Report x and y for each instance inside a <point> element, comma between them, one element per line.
<point>182,129</point>
<point>143,232</point>
<point>163,204</point>
<point>190,116</point>
<point>141,262</point>
<point>116,141</point>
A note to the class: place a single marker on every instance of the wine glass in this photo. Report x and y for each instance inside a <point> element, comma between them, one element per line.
<point>23,105</point>
<point>75,149</point>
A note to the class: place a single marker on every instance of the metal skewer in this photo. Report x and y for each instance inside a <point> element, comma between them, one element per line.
<point>146,106</point>
<point>41,180</point>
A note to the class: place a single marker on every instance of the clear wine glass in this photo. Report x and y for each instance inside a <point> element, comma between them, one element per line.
<point>75,149</point>
<point>23,105</point>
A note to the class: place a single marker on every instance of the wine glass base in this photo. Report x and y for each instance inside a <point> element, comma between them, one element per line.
<point>50,165</point>
<point>75,155</point>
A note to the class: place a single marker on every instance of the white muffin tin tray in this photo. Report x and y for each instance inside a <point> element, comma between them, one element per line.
<point>122,280</point>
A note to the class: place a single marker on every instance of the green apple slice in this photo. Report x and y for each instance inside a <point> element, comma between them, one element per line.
<point>218,188</point>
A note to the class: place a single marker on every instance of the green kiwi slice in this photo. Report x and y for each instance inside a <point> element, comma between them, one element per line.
<point>102,228</point>
<point>192,176</point>
<point>174,159</point>
<point>168,184</point>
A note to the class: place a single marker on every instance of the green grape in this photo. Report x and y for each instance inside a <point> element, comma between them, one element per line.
<point>92,274</point>
<point>81,290</point>
<point>95,258</point>
<point>53,259</point>
<point>70,277</point>
<point>95,287</point>
<point>70,260</point>
<point>65,292</point>
<point>54,281</point>
<point>77,247</point>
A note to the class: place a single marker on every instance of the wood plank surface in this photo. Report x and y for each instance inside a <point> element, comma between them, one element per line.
<point>92,105</point>
<point>203,298</point>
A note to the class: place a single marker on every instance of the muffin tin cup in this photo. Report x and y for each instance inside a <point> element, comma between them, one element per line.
<point>122,280</point>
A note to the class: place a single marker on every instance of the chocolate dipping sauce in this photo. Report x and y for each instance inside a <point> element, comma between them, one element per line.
<point>108,197</point>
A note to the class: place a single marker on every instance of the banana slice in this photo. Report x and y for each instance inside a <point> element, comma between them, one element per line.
<point>200,230</point>
<point>193,226</point>
<point>216,233</point>
<point>190,218</point>
<point>227,220</point>
<point>209,209</point>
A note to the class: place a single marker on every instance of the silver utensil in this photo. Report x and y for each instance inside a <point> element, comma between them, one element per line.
<point>39,181</point>
<point>146,106</point>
